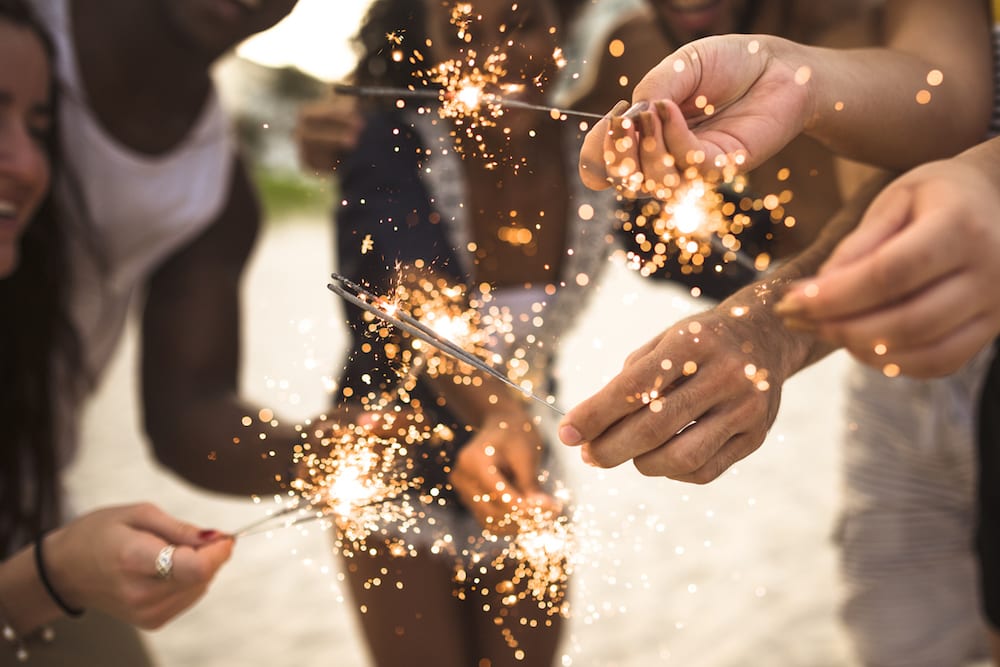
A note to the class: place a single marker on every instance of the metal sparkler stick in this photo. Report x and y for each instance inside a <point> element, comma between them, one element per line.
<point>402,320</point>
<point>428,94</point>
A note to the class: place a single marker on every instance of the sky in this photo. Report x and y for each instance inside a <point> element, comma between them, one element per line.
<point>315,38</point>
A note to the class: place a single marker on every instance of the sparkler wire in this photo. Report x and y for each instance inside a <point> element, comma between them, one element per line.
<point>429,94</point>
<point>367,301</point>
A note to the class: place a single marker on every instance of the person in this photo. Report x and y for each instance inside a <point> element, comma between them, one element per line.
<point>480,217</point>
<point>159,204</point>
<point>918,434</point>
<point>102,562</point>
<point>927,245</point>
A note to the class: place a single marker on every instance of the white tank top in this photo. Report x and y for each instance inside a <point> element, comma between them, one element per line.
<point>137,209</point>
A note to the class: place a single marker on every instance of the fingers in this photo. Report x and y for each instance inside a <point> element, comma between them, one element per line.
<point>621,397</point>
<point>197,567</point>
<point>945,356</point>
<point>593,169</point>
<point>679,141</point>
<point>147,517</point>
<point>886,216</point>
<point>909,324</point>
<point>909,261</point>
<point>650,428</point>
<point>326,130</point>
<point>735,449</point>
<point>621,156</point>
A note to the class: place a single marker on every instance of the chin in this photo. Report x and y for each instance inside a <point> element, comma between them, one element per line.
<point>9,257</point>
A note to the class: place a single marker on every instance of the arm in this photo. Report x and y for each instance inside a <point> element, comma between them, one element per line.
<point>746,96</point>
<point>105,560</point>
<point>703,394</point>
<point>916,284</point>
<point>497,470</point>
<point>191,356</point>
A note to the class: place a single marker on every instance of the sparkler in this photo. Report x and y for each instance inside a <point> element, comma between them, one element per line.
<point>469,96</point>
<point>399,318</point>
<point>354,481</point>
<point>542,549</point>
<point>693,218</point>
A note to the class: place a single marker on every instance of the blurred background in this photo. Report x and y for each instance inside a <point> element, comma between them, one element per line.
<point>741,572</point>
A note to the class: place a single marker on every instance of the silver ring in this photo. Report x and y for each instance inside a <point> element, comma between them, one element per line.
<point>165,561</point>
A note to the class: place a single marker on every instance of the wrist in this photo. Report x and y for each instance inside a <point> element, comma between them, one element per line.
<point>55,569</point>
<point>806,72</point>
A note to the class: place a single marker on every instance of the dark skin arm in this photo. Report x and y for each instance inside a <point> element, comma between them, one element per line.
<point>191,356</point>
<point>707,369</point>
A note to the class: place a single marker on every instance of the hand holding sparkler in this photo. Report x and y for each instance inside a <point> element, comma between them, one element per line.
<point>695,399</point>
<point>327,129</point>
<point>914,289</point>
<point>734,100</point>
<point>497,472</point>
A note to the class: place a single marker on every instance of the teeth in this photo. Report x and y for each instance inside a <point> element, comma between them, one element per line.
<point>7,208</point>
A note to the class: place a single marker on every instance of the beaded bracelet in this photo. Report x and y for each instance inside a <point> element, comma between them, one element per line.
<point>11,637</point>
<point>43,575</point>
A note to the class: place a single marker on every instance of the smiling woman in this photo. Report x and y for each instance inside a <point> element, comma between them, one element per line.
<point>315,38</point>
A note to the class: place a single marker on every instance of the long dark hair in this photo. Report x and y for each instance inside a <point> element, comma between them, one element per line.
<point>34,332</point>
<point>376,66</point>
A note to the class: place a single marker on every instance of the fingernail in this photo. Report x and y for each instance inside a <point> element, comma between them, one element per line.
<point>790,304</point>
<point>798,324</point>
<point>586,457</point>
<point>569,435</point>
<point>646,124</point>
<point>662,111</point>
<point>636,109</point>
<point>617,109</point>
<point>208,534</point>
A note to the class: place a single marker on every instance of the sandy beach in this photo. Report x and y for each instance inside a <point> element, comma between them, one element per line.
<point>740,572</point>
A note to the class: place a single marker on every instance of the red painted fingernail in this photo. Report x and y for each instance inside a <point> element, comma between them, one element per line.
<point>208,534</point>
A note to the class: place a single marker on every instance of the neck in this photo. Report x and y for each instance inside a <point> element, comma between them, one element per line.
<point>149,53</point>
<point>144,81</point>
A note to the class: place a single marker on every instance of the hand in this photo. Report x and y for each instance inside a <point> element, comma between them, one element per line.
<point>915,285</point>
<point>731,99</point>
<point>692,401</point>
<point>326,130</point>
<point>497,471</point>
<point>106,560</point>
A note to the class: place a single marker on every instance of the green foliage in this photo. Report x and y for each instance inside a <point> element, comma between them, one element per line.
<point>285,193</point>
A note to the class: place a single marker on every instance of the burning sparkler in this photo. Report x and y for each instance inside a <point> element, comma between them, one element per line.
<point>389,311</point>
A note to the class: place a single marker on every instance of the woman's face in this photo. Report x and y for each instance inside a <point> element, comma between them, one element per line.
<point>25,123</point>
<point>521,29</point>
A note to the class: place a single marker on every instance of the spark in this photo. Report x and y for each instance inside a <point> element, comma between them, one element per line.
<point>367,245</point>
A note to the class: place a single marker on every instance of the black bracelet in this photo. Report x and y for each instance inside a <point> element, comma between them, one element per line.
<point>44,576</point>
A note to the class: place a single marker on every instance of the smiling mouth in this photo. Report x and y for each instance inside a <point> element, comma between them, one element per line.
<point>7,210</point>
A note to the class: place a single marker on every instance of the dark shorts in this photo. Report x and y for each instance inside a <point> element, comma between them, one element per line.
<point>988,534</point>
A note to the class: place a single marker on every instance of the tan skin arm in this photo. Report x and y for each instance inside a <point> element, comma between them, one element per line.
<point>191,357</point>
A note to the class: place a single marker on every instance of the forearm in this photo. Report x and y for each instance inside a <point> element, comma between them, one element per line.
<point>986,158</point>
<point>756,301</point>
<point>207,442</point>
<point>932,81</point>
